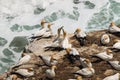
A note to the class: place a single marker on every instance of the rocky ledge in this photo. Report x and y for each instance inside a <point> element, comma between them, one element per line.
<point>65,69</point>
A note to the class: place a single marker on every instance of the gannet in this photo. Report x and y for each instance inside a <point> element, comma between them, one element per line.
<point>113,28</point>
<point>41,31</point>
<point>49,60</point>
<point>80,36</point>
<point>50,73</point>
<point>105,39</point>
<point>115,64</point>
<point>58,40</point>
<point>106,55</point>
<point>25,72</point>
<point>73,54</point>
<point>78,78</point>
<point>113,77</point>
<point>65,42</point>
<point>87,62</point>
<point>48,32</point>
<point>117,44</point>
<point>86,72</point>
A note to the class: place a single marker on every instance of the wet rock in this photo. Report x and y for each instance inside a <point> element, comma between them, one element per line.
<point>26,27</point>
<point>74,16</point>
<point>89,5</point>
<point>8,53</point>
<point>37,11</point>
<point>76,1</point>
<point>6,60</point>
<point>16,28</point>
<point>18,43</point>
<point>55,15</point>
<point>2,41</point>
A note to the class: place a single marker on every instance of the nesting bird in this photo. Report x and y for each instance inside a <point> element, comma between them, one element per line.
<point>50,73</point>
<point>73,54</point>
<point>115,64</point>
<point>80,36</point>
<point>87,63</point>
<point>49,60</point>
<point>41,31</point>
<point>105,39</point>
<point>106,55</point>
<point>86,72</point>
<point>117,44</point>
<point>113,28</point>
<point>25,72</point>
<point>113,77</point>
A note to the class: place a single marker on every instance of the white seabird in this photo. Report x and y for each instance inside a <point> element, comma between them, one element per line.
<point>113,28</point>
<point>49,60</point>
<point>80,36</point>
<point>65,42</point>
<point>105,39</point>
<point>48,32</point>
<point>115,64</point>
<point>86,72</point>
<point>117,44</point>
<point>113,77</point>
<point>106,55</point>
<point>73,54</point>
<point>41,31</point>
<point>25,72</point>
<point>58,40</point>
<point>50,73</point>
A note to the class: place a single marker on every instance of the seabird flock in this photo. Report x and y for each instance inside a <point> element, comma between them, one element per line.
<point>63,42</point>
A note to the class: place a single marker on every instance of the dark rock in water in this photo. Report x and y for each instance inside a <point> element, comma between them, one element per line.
<point>55,16</point>
<point>89,5</point>
<point>26,27</point>
<point>8,53</point>
<point>38,11</point>
<point>2,41</point>
<point>6,60</point>
<point>76,1</point>
<point>74,16</point>
<point>18,43</point>
<point>36,26</point>
<point>16,28</point>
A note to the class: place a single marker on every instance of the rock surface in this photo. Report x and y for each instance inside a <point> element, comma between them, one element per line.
<point>65,69</point>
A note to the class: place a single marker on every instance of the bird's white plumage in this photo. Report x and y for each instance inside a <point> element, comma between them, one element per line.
<point>40,32</point>
<point>113,77</point>
<point>104,56</point>
<point>74,52</point>
<point>115,64</point>
<point>65,43</point>
<point>80,34</point>
<point>50,73</point>
<point>24,60</point>
<point>86,72</point>
<point>117,45</point>
<point>105,39</point>
<point>25,72</point>
<point>114,29</point>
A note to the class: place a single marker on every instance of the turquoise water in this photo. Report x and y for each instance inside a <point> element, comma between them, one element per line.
<point>18,21</point>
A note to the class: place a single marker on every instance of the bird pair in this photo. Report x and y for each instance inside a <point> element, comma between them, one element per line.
<point>43,32</point>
